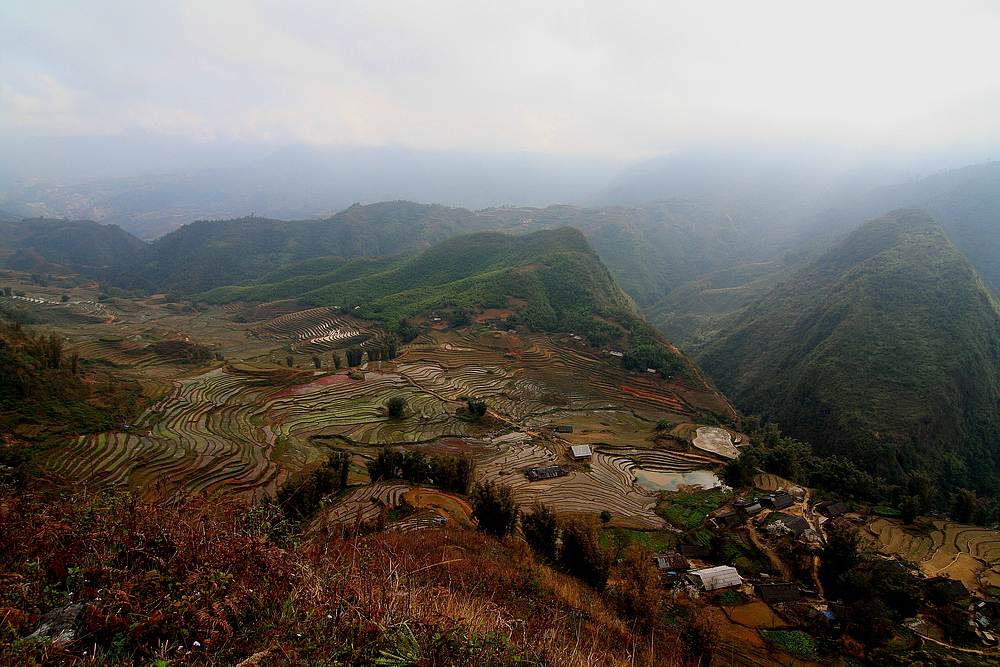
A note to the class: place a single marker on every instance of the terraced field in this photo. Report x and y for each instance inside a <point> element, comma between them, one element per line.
<point>243,428</point>
<point>316,330</point>
<point>968,553</point>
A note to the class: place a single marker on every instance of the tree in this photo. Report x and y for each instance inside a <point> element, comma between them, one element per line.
<point>639,593</point>
<point>495,509</point>
<point>336,361</point>
<point>397,407</point>
<point>605,517</point>
<point>316,362</point>
<point>476,408</point>
<point>289,361</point>
<point>354,356</point>
<point>839,554</point>
<point>920,487</point>
<point>582,555</point>
<point>963,506</point>
<point>541,531</point>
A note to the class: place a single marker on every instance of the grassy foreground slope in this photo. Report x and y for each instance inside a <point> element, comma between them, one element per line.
<point>886,349</point>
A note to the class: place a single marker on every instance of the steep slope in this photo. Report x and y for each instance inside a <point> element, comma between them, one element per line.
<point>886,348</point>
<point>965,202</point>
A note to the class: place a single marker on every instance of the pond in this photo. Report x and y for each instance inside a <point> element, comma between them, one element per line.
<point>671,481</point>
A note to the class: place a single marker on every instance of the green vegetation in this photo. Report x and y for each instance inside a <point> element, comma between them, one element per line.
<point>687,511</point>
<point>884,350</point>
<point>795,642</point>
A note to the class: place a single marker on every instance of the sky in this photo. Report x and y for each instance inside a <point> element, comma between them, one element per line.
<point>625,80</point>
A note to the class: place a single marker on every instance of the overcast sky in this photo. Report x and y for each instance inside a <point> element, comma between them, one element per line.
<point>628,80</point>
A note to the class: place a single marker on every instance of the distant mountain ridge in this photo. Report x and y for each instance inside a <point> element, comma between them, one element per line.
<point>885,349</point>
<point>82,246</point>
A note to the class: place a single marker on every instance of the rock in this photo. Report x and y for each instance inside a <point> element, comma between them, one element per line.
<point>64,624</point>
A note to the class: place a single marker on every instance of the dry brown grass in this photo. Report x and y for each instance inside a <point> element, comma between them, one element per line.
<point>226,575</point>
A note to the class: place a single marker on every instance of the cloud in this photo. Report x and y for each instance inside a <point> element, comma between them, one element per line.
<point>563,77</point>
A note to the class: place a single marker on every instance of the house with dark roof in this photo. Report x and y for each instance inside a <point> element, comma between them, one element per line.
<point>831,509</point>
<point>547,472</point>
<point>778,591</point>
<point>748,507</point>
<point>699,551</point>
<point>777,501</point>
<point>946,589</point>
<point>727,519</point>
<point>670,560</point>
<point>790,525</point>
<point>562,428</point>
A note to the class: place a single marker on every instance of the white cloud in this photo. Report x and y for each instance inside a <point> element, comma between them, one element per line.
<point>566,77</point>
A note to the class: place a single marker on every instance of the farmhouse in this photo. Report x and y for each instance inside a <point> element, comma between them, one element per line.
<point>946,589</point>
<point>714,578</point>
<point>777,501</point>
<point>728,520</point>
<point>790,525</point>
<point>670,561</point>
<point>747,508</point>
<point>778,591</point>
<point>563,428</point>
<point>831,509</point>
<point>580,452</point>
<point>548,472</point>
<point>698,551</point>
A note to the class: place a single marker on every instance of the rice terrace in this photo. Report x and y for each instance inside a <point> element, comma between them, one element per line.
<point>244,421</point>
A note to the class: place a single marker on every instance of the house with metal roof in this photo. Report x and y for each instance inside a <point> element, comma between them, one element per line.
<point>714,578</point>
<point>580,452</point>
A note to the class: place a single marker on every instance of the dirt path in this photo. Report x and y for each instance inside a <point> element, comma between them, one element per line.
<point>810,516</point>
<point>776,562</point>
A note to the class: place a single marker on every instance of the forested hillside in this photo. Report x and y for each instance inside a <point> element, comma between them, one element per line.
<point>886,349</point>
<point>82,246</point>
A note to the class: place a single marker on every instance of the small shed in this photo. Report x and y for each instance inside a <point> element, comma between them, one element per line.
<point>671,561</point>
<point>699,551</point>
<point>580,452</point>
<point>728,519</point>
<point>714,578</point>
<point>832,509</point>
<point>748,507</point>
<point>548,472</point>
<point>562,428</point>
<point>790,525</point>
<point>777,501</point>
<point>778,591</point>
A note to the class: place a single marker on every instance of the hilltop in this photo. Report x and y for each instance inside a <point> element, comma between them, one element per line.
<point>886,349</point>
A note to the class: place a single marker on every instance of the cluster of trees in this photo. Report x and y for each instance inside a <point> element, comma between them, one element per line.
<point>477,408</point>
<point>573,546</point>
<point>450,473</point>
<point>300,496</point>
<point>915,494</point>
